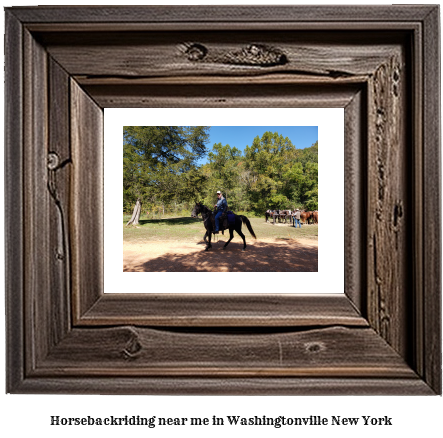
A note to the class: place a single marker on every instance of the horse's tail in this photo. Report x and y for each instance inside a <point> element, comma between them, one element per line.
<point>248,224</point>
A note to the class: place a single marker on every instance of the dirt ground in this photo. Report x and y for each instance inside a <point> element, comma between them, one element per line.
<point>264,255</point>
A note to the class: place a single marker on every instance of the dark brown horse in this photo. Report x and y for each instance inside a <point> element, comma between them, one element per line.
<point>208,221</point>
<point>270,213</point>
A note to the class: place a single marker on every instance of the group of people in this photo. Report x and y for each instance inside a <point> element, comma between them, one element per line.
<point>297,216</point>
<point>222,206</point>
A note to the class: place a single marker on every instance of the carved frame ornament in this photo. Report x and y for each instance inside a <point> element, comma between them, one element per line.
<point>65,64</point>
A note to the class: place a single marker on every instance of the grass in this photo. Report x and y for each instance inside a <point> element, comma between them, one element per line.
<point>192,230</point>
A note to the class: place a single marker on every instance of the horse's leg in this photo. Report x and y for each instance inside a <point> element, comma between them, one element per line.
<point>244,239</point>
<point>242,236</point>
<point>231,236</point>
<point>209,241</point>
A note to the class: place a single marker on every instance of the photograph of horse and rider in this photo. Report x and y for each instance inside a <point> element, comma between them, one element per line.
<point>220,199</point>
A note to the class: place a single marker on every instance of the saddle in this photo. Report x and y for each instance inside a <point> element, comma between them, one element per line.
<point>226,219</point>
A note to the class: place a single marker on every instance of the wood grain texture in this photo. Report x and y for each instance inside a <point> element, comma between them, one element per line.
<point>239,310</point>
<point>59,164</point>
<point>232,95</point>
<point>431,316</point>
<point>160,54</point>
<point>355,195</point>
<point>417,101</point>
<point>222,14</point>
<point>38,256</point>
<point>226,386</point>
<point>129,351</point>
<point>384,340</point>
<point>388,204</point>
<point>86,196</point>
<point>14,239</point>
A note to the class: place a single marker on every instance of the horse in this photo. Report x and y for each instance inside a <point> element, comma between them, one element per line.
<point>208,221</point>
<point>268,214</point>
<point>284,214</point>
<point>272,214</point>
<point>305,216</point>
<point>315,216</point>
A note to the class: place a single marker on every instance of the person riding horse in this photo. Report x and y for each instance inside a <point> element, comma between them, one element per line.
<point>222,207</point>
<point>233,225</point>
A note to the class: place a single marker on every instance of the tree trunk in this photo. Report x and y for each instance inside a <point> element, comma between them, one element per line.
<point>136,213</point>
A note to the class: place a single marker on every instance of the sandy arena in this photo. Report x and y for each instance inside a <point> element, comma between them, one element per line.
<point>264,255</point>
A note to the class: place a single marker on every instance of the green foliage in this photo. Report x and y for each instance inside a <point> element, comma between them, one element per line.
<point>160,169</point>
<point>159,163</point>
<point>281,176</point>
<point>223,168</point>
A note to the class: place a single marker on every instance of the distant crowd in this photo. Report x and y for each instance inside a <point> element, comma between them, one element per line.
<point>296,217</point>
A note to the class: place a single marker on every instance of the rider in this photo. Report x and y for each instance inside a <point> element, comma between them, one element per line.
<point>296,217</point>
<point>221,207</point>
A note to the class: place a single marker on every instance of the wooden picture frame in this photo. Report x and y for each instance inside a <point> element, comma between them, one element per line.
<point>65,64</point>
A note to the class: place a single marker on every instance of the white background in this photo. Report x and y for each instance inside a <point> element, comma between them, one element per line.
<point>29,414</point>
<point>330,122</point>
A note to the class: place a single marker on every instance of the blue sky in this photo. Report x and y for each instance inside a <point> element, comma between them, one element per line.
<point>241,136</point>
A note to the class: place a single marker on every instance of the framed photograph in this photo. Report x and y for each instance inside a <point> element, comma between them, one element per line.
<point>169,201</point>
<point>166,246</point>
<point>380,335</point>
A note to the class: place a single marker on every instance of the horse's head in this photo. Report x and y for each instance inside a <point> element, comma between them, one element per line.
<point>196,210</point>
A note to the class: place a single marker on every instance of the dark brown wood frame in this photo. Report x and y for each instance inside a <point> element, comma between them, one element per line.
<point>64,65</point>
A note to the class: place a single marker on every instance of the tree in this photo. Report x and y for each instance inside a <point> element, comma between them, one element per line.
<point>193,185</point>
<point>310,186</point>
<point>266,160</point>
<point>279,176</point>
<point>293,178</point>
<point>136,213</point>
<point>223,162</point>
<point>155,158</point>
